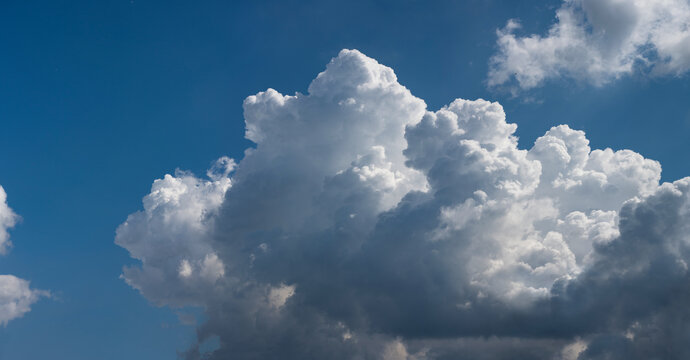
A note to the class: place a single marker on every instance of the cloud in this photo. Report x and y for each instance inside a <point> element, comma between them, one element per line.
<point>172,237</point>
<point>363,225</point>
<point>597,41</point>
<point>16,297</point>
<point>7,220</point>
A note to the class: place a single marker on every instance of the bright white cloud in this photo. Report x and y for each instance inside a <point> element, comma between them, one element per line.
<point>364,226</point>
<point>16,297</point>
<point>171,236</point>
<point>7,220</point>
<point>597,41</point>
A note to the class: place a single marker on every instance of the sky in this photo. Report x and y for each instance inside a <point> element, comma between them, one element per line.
<point>376,216</point>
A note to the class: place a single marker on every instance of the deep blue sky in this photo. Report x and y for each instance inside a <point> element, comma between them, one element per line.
<point>98,99</point>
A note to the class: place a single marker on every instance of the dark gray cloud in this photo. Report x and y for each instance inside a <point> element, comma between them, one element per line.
<point>363,226</point>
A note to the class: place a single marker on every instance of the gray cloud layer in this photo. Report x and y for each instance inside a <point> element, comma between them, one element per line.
<point>597,41</point>
<point>363,226</point>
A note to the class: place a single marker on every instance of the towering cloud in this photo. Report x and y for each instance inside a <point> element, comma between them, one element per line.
<point>16,297</point>
<point>363,226</point>
<point>598,41</point>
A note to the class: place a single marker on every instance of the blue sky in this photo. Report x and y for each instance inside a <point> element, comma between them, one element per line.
<point>101,98</point>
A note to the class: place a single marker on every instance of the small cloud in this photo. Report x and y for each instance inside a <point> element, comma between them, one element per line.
<point>596,41</point>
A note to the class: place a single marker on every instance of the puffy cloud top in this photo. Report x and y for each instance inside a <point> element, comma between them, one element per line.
<point>599,41</point>
<point>364,226</point>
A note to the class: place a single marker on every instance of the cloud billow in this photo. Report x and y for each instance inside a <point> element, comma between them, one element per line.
<point>596,41</point>
<point>363,226</point>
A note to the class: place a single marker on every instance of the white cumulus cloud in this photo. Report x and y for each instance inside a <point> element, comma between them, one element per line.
<point>363,225</point>
<point>7,220</point>
<point>597,41</point>
<point>16,297</point>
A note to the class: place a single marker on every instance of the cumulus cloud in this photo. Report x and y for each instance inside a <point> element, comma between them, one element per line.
<point>597,41</point>
<point>171,236</point>
<point>7,220</point>
<point>364,226</point>
<point>16,297</point>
